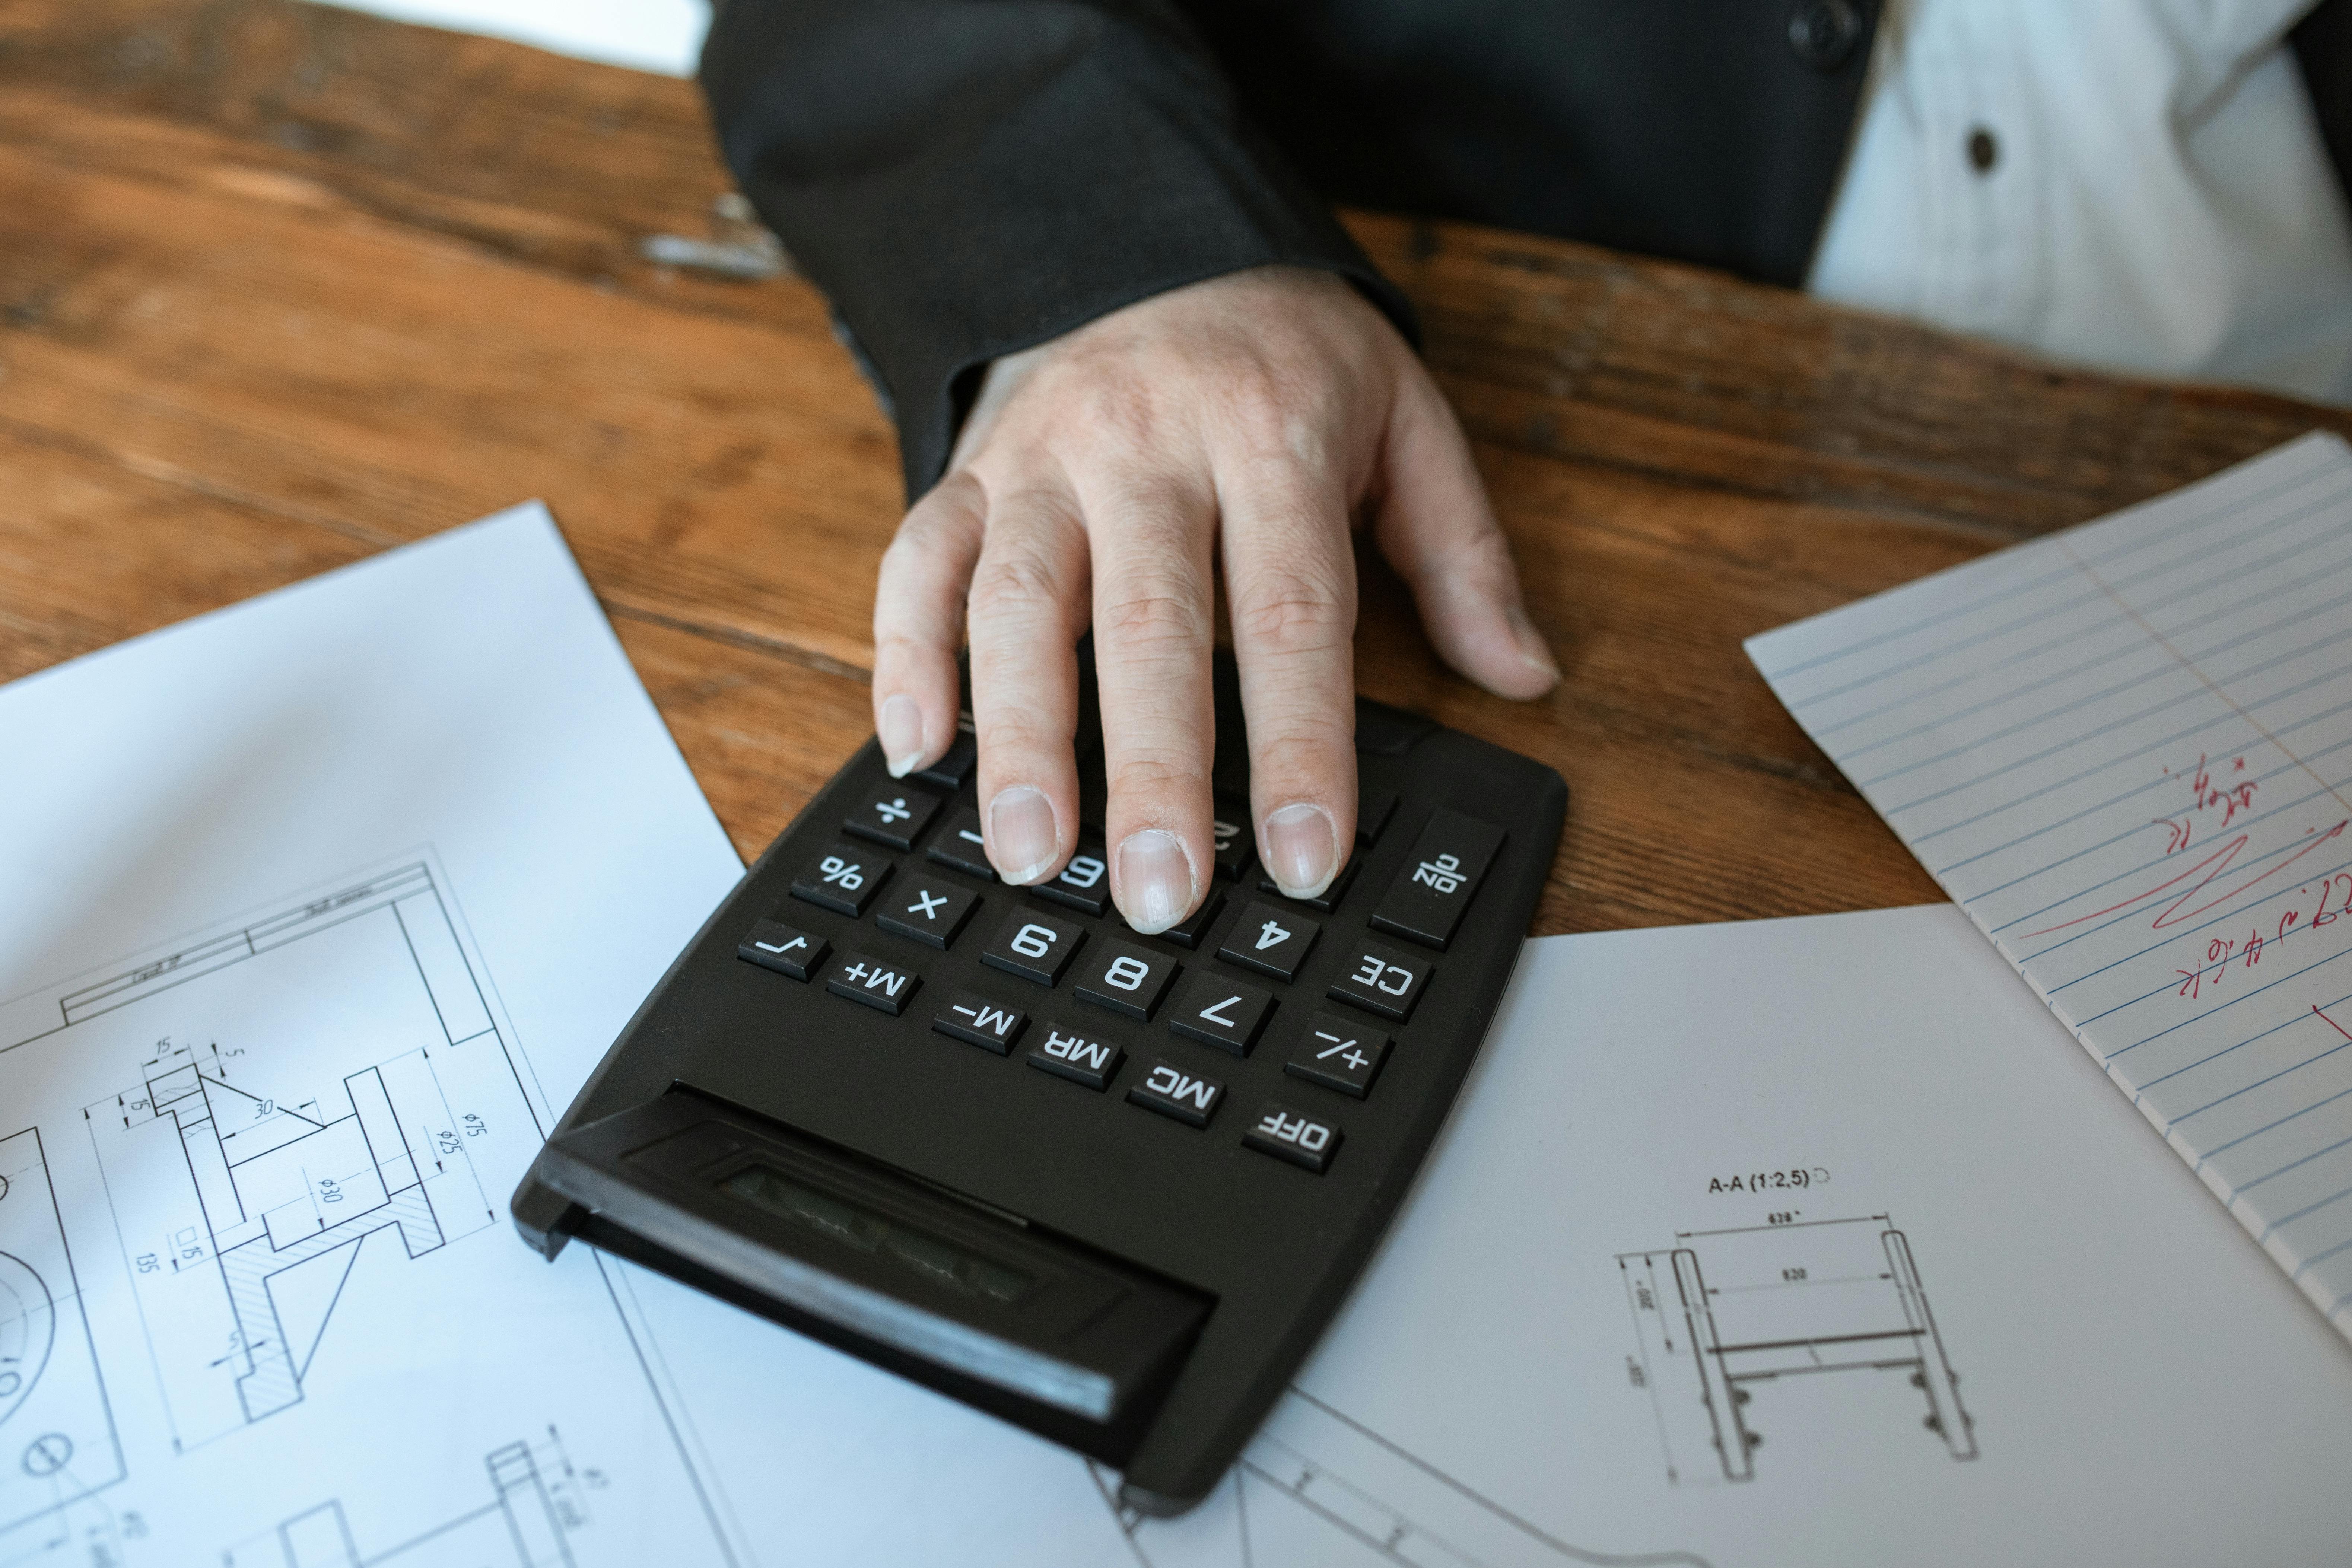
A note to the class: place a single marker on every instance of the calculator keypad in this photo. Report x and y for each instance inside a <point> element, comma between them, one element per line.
<point>974,1019</point>
<point>1170,1089</point>
<point>1125,979</point>
<point>1339,1054</point>
<point>1221,1011</point>
<point>876,982</point>
<point>1302,1139</point>
<point>1271,941</point>
<point>787,950</point>
<point>893,816</point>
<point>1035,946</point>
<point>930,913</point>
<point>1381,980</point>
<point>1193,929</point>
<point>1081,1058</point>
<point>843,879</point>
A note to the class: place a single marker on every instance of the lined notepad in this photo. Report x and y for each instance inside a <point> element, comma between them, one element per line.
<point>2127,751</point>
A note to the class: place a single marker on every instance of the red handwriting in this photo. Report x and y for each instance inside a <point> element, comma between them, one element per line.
<point>2232,799</point>
<point>2331,1023</point>
<point>2175,830</point>
<point>2212,868</point>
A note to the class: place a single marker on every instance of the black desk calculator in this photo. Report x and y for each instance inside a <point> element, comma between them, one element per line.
<point>1108,1187</point>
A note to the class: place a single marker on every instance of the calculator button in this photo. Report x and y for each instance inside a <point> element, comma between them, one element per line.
<point>876,982</point>
<point>1287,1134</point>
<point>1329,898</point>
<point>893,816</point>
<point>950,771</point>
<point>1381,980</point>
<point>1171,1092</point>
<point>843,879</point>
<point>1127,980</point>
<point>961,845</point>
<point>975,1020</point>
<point>1426,900</point>
<point>1083,883</point>
<point>787,950</point>
<point>1193,930</point>
<point>1338,1054</point>
<point>1374,809</point>
<point>1270,941</point>
<point>1229,825</point>
<point>930,913</point>
<point>1035,946</point>
<point>1081,1058</point>
<point>1225,1013</point>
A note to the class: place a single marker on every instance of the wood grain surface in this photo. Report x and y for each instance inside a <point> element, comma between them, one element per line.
<point>280,286</point>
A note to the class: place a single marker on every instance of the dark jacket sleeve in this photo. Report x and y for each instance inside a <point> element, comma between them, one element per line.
<point>965,178</point>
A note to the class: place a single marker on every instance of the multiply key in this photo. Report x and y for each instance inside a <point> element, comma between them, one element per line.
<point>843,879</point>
<point>1425,904</point>
<point>931,913</point>
<point>872,981</point>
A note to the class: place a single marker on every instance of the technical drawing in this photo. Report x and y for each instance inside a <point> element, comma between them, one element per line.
<point>536,1504</point>
<point>243,1184</point>
<point>1726,1314</point>
<point>1315,1487</point>
<point>58,1445</point>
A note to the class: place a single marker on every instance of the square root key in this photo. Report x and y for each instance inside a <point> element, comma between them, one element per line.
<point>929,912</point>
<point>787,950</point>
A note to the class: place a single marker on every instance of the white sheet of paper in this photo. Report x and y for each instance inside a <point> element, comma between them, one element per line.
<point>313,913</point>
<point>2127,749</point>
<point>1767,1104</point>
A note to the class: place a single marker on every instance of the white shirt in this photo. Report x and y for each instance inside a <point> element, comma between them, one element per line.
<point>2158,200</point>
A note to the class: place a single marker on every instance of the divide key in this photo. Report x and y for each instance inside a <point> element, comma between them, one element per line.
<point>1425,904</point>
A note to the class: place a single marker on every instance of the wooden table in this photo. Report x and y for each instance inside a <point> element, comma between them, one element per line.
<point>281,287</point>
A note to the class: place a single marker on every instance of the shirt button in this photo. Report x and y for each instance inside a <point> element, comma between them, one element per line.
<point>1984,149</point>
<point>1823,33</point>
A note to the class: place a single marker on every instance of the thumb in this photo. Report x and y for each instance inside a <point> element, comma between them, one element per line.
<point>1435,526</point>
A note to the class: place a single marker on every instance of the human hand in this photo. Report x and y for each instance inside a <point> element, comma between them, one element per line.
<point>1097,474</point>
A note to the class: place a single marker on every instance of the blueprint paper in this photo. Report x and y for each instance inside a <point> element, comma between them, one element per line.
<point>314,914</point>
<point>2127,751</point>
<point>1898,1192</point>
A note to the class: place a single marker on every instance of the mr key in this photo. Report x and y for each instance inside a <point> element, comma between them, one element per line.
<point>1106,1186</point>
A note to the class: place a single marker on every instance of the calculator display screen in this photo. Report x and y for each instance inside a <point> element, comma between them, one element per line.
<point>943,1263</point>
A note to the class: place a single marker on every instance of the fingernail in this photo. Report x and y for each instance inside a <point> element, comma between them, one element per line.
<point>1155,881</point>
<point>900,725</point>
<point>1301,850</point>
<point>1021,829</point>
<point>1533,651</point>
